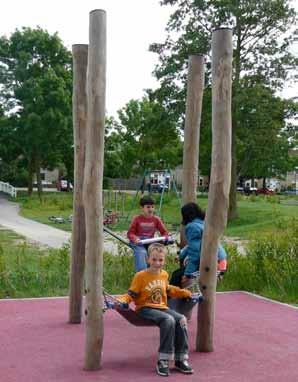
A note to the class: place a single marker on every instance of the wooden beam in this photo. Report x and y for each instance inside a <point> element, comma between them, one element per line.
<point>79,111</point>
<point>195,90</point>
<point>218,199</point>
<point>92,194</point>
<point>194,99</point>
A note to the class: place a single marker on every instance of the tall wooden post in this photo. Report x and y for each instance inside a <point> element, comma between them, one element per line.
<point>218,200</point>
<point>79,105</point>
<point>92,193</point>
<point>195,90</point>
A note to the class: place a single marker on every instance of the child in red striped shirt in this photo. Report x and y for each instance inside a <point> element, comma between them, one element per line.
<point>144,226</point>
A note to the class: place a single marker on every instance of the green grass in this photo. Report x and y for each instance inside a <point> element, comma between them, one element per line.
<point>29,271</point>
<point>269,269</point>
<point>261,214</point>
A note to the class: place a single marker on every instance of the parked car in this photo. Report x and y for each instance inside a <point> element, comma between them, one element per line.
<point>265,191</point>
<point>250,190</point>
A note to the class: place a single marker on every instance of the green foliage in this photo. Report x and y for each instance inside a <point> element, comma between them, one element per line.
<point>27,271</point>
<point>262,119</point>
<point>145,137</point>
<point>36,81</point>
<point>262,36</point>
<point>270,266</point>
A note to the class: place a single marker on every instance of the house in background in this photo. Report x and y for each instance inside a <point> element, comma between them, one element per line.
<point>49,178</point>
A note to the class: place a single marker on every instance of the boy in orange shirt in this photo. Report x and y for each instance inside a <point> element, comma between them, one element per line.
<point>149,290</point>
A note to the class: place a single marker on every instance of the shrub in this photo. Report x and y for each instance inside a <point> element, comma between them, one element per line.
<point>270,267</point>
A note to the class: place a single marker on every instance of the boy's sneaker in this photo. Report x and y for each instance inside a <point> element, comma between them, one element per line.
<point>184,367</point>
<point>162,368</point>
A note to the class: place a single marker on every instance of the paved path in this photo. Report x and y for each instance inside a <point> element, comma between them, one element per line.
<point>37,232</point>
<point>255,340</point>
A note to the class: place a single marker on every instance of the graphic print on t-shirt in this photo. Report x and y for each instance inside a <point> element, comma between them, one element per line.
<point>157,290</point>
<point>156,296</point>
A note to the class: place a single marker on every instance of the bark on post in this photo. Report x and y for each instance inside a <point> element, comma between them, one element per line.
<point>218,200</point>
<point>79,111</point>
<point>195,90</point>
<point>92,193</point>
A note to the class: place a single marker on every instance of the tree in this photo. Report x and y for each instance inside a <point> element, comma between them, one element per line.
<point>263,118</point>
<point>35,73</point>
<point>144,137</point>
<point>261,39</point>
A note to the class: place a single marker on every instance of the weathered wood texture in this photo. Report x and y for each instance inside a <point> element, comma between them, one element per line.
<point>79,111</point>
<point>218,200</point>
<point>92,193</point>
<point>195,90</point>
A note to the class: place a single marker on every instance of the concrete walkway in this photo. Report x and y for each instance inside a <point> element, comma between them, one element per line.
<point>37,232</point>
<point>34,231</point>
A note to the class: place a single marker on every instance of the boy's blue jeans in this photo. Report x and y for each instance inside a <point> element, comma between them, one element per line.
<point>140,256</point>
<point>173,332</point>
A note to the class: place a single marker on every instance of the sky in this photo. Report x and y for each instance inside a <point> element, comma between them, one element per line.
<point>131,26</point>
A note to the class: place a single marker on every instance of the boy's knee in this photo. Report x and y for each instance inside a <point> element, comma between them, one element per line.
<point>170,321</point>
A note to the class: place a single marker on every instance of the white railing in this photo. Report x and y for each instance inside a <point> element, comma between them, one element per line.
<point>8,189</point>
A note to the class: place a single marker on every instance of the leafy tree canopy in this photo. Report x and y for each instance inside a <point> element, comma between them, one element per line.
<point>36,78</point>
<point>145,137</point>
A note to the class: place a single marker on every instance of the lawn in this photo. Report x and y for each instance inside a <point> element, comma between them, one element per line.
<point>257,214</point>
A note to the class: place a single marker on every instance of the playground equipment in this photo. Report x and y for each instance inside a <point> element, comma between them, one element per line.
<point>130,315</point>
<point>159,239</point>
<point>163,180</point>
<point>88,215</point>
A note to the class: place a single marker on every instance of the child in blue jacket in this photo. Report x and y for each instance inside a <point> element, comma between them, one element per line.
<point>193,220</point>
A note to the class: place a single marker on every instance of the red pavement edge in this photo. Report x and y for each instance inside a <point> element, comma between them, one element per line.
<point>255,340</point>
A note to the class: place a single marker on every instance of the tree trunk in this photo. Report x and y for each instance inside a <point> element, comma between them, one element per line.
<point>30,176</point>
<point>38,178</point>
<point>233,213</point>
<point>92,192</point>
<point>79,106</point>
<point>195,90</point>
<point>218,200</point>
<point>264,182</point>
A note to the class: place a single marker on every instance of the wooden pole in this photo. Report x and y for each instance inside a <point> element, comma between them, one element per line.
<point>195,90</point>
<point>218,199</point>
<point>79,104</point>
<point>96,84</point>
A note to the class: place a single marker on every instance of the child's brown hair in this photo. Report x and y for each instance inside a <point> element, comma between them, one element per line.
<point>156,247</point>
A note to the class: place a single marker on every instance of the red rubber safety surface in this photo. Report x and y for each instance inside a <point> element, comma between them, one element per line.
<point>255,340</point>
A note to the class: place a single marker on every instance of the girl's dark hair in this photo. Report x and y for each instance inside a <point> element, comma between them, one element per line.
<point>191,211</point>
<point>146,200</point>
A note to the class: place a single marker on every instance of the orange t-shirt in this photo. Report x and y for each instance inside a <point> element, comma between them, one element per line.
<point>151,290</point>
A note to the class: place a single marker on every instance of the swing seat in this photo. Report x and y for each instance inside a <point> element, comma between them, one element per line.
<point>130,315</point>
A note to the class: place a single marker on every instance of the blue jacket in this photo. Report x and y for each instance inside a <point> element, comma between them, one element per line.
<point>194,233</point>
